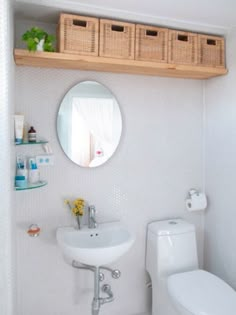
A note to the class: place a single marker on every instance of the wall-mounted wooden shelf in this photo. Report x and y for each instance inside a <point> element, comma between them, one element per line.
<point>69,61</point>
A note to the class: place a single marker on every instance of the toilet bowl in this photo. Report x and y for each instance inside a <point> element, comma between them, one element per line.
<point>200,292</point>
<point>179,287</point>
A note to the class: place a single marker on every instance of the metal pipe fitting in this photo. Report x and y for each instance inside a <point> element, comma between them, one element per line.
<point>106,288</point>
<point>82,266</point>
<point>115,273</point>
<point>98,277</point>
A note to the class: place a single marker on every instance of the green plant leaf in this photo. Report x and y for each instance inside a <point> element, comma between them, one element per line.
<point>31,44</point>
<point>33,36</point>
<point>51,38</point>
<point>48,47</point>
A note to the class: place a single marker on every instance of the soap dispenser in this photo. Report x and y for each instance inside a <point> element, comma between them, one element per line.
<point>32,135</point>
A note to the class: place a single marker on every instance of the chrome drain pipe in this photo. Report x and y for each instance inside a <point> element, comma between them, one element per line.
<point>106,288</point>
<point>98,277</point>
<point>96,300</point>
<point>81,266</point>
<point>95,312</point>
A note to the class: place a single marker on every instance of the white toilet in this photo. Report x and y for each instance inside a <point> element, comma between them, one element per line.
<point>178,286</point>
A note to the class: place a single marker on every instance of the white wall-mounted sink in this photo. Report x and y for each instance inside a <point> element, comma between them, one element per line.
<point>100,246</point>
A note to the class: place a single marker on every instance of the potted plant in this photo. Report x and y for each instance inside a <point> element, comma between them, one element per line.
<point>37,39</point>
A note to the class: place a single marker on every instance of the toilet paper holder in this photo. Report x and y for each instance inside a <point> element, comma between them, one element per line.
<point>196,200</point>
<point>193,192</point>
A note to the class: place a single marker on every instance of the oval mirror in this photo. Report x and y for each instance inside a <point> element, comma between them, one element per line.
<point>89,124</point>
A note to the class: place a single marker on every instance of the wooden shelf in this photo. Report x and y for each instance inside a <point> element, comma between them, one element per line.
<point>69,61</point>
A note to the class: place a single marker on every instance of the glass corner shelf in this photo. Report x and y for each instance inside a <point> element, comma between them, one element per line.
<point>33,186</point>
<point>30,143</point>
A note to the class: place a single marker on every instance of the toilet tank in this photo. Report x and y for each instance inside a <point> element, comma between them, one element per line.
<point>171,247</point>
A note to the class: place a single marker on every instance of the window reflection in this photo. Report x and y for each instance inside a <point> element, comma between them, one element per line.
<point>89,124</point>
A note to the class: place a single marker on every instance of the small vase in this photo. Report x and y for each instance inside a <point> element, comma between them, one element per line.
<point>78,221</point>
<point>40,45</point>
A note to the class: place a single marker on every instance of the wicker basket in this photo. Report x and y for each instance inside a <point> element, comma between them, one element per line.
<point>116,39</point>
<point>182,47</point>
<point>78,35</point>
<point>151,43</point>
<point>211,51</point>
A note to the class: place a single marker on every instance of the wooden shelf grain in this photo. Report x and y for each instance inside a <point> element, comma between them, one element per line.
<point>71,61</point>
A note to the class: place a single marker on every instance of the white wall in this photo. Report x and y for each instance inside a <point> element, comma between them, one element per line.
<point>158,160</point>
<point>220,253</point>
<point>6,169</point>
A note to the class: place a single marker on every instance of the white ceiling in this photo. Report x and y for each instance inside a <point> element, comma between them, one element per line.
<point>216,16</point>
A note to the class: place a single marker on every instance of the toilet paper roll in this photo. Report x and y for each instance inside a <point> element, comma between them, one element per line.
<point>197,202</point>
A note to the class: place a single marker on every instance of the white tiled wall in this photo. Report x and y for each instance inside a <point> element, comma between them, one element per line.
<point>6,171</point>
<point>159,158</point>
<point>220,253</point>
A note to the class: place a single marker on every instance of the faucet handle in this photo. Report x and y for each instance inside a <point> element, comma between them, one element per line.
<point>92,209</point>
<point>92,224</point>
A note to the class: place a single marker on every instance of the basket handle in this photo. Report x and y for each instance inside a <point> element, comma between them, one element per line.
<point>80,23</point>
<point>211,42</point>
<point>152,33</point>
<point>182,38</point>
<point>117,28</point>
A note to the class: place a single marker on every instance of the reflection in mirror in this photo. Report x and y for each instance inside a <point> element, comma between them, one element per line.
<point>89,124</point>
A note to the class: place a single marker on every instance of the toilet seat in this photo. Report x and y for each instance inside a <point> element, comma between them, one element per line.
<point>201,293</point>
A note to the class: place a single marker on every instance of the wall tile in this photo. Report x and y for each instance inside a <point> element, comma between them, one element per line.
<point>159,158</point>
<point>220,256</point>
<point>7,268</point>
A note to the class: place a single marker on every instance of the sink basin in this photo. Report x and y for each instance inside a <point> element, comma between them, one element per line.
<point>95,247</point>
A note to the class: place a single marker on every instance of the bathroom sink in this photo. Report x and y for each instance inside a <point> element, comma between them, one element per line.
<point>100,246</point>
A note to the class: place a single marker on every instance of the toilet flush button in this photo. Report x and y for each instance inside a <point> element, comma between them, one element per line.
<point>173,222</point>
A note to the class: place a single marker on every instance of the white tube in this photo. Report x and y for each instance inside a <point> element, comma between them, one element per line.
<point>19,127</point>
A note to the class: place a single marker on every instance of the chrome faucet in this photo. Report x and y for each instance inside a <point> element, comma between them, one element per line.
<point>92,224</point>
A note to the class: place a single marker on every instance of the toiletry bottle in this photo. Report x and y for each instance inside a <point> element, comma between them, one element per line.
<point>19,123</point>
<point>20,181</point>
<point>25,133</point>
<point>34,176</point>
<point>21,169</point>
<point>32,134</point>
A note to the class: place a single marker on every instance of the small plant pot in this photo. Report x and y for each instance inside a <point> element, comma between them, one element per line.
<point>40,45</point>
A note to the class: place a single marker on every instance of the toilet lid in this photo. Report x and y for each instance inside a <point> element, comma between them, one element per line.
<point>202,293</point>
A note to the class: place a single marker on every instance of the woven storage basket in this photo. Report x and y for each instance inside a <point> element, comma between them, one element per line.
<point>182,47</point>
<point>78,35</point>
<point>116,39</point>
<point>211,51</point>
<point>151,43</point>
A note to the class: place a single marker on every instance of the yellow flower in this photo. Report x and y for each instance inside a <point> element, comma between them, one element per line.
<point>78,206</point>
<point>75,211</point>
<point>79,202</point>
<point>81,212</point>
